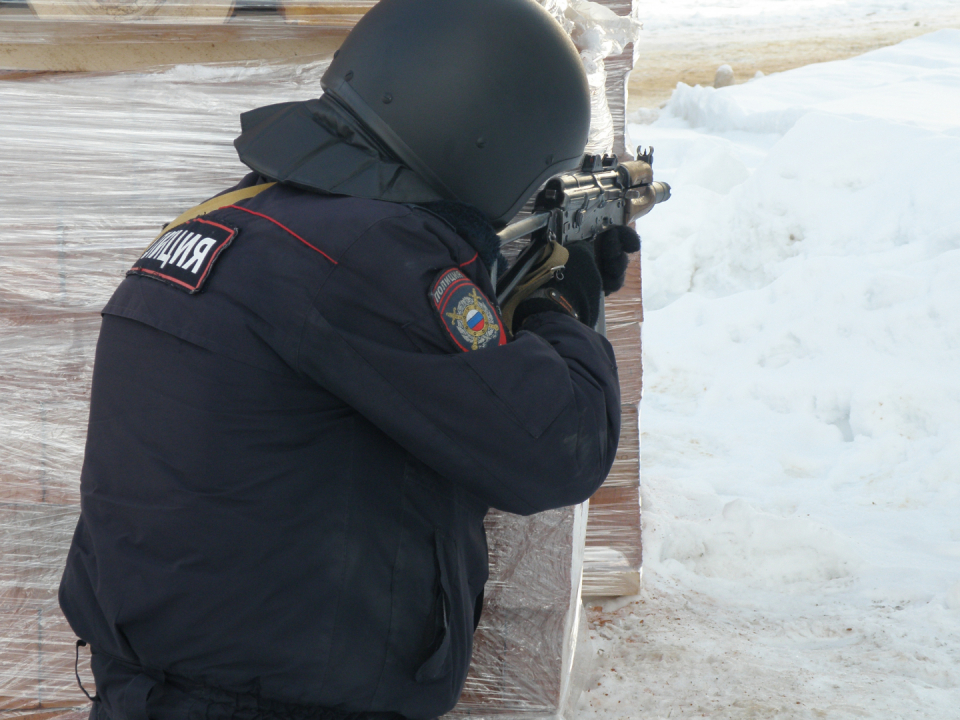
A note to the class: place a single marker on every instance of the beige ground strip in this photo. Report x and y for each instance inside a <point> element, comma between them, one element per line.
<point>665,59</point>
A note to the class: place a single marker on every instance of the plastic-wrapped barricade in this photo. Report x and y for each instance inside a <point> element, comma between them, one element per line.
<point>612,558</point>
<point>109,21</point>
<point>606,33</point>
<point>92,166</point>
<point>531,652</point>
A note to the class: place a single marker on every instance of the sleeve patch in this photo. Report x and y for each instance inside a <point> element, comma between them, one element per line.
<point>465,313</point>
<point>183,257</point>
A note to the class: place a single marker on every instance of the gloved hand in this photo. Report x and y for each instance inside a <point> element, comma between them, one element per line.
<point>611,248</point>
<point>576,291</point>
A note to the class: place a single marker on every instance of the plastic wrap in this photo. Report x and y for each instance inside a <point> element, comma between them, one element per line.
<point>612,559</point>
<point>164,21</point>
<point>91,167</point>
<point>623,315</point>
<point>122,35</point>
<point>525,648</point>
<point>600,33</point>
<point>613,555</point>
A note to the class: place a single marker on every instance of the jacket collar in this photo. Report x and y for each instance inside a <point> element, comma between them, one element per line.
<point>334,154</point>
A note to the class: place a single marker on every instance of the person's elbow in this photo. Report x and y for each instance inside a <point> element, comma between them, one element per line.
<point>567,467</point>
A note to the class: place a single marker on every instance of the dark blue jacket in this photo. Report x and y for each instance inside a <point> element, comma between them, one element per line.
<point>286,474</point>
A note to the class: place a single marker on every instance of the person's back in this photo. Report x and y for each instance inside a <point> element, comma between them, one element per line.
<point>241,521</point>
<point>303,405</point>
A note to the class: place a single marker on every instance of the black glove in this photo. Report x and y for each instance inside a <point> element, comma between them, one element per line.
<point>611,248</point>
<point>576,292</point>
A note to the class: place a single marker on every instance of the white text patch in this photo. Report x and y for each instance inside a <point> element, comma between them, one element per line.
<point>184,256</point>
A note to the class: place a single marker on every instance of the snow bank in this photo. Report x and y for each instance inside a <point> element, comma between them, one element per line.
<point>801,411</point>
<point>910,83</point>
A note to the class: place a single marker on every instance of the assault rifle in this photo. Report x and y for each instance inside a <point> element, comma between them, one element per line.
<point>577,206</point>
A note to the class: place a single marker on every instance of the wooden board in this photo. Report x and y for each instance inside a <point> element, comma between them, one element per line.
<point>207,11</point>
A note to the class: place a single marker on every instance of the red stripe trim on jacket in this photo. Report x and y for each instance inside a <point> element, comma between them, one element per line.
<point>284,227</point>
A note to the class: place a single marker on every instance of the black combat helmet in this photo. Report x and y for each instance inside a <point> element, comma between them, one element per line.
<point>484,99</point>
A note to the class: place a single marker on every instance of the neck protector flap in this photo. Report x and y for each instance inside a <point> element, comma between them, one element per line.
<point>318,145</point>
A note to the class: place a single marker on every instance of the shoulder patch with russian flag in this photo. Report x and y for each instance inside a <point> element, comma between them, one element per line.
<point>183,257</point>
<point>466,314</point>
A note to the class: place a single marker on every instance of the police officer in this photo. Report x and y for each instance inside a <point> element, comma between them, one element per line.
<point>305,399</point>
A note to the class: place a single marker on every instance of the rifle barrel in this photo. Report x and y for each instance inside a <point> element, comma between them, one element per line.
<point>523,227</point>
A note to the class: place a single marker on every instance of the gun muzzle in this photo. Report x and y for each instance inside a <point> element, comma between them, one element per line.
<point>662,191</point>
<point>640,200</point>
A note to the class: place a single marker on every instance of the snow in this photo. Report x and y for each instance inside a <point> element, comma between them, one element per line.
<point>712,16</point>
<point>801,410</point>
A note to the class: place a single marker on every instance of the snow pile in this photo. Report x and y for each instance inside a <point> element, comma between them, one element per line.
<point>899,84</point>
<point>801,411</point>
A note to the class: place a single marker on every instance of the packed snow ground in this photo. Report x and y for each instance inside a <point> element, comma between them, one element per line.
<point>801,414</point>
